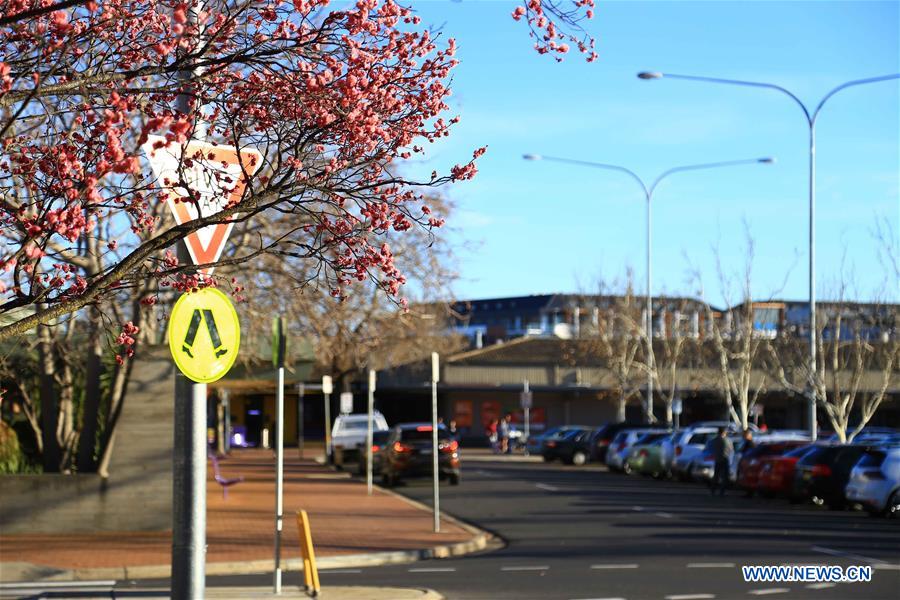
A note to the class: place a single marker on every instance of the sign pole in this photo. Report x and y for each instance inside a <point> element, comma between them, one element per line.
<point>301,392</point>
<point>326,391</point>
<point>527,412</point>
<point>279,345</point>
<point>435,375</point>
<point>369,432</point>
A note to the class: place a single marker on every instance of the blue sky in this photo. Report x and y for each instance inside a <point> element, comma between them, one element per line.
<point>538,227</point>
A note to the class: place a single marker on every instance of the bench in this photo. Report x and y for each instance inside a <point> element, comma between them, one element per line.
<point>225,482</point>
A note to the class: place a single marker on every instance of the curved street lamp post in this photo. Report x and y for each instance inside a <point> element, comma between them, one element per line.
<point>648,196</point>
<point>811,117</point>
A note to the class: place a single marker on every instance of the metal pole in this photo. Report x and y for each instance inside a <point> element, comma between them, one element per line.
<point>279,475</point>
<point>434,442</point>
<point>301,393</point>
<point>813,425</point>
<point>369,432</point>
<point>527,410</point>
<point>649,315</point>
<point>188,577</point>
<point>226,399</point>
<point>327,428</point>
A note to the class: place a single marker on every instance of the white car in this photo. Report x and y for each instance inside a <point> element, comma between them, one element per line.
<point>875,481</point>
<point>688,448</point>
<point>350,431</point>
<point>621,445</point>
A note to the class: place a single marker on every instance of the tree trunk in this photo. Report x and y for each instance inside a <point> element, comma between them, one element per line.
<point>91,413</point>
<point>51,454</point>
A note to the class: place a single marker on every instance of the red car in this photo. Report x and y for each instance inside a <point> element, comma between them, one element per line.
<point>750,467</point>
<point>776,473</point>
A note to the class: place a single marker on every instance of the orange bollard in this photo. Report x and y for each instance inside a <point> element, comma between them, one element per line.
<point>310,572</point>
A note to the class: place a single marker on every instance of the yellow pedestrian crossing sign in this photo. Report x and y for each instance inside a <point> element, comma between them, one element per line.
<point>204,335</point>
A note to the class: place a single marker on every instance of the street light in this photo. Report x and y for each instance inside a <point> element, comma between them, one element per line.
<point>811,122</point>
<point>648,196</point>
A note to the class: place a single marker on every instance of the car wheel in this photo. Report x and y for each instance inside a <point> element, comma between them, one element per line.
<point>579,458</point>
<point>626,468</point>
<point>547,458</point>
<point>387,480</point>
<point>454,479</point>
<point>893,506</point>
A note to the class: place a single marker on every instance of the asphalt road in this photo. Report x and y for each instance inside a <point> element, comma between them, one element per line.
<point>579,533</point>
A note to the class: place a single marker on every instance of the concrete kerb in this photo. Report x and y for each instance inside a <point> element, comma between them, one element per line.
<point>481,540</point>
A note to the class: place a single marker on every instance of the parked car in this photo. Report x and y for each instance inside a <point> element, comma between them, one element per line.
<point>379,444</point>
<point>604,437</point>
<point>646,456</point>
<point>703,466</point>
<point>561,445</point>
<point>688,448</point>
<point>751,462</point>
<point>875,481</point>
<point>535,442</point>
<point>409,454</point>
<point>349,433</point>
<point>587,445</point>
<point>822,475</point>
<point>776,473</point>
<point>781,435</point>
<point>621,445</point>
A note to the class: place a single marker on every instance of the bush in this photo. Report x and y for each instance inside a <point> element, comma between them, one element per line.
<point>10,454</point>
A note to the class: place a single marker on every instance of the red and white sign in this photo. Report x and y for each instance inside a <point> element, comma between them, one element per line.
<point>219,178</point>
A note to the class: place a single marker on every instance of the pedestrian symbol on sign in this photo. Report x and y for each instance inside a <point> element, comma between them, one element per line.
<point>204,335</point>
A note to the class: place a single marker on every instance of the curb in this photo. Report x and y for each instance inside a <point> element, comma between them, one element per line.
<point>481,540</point>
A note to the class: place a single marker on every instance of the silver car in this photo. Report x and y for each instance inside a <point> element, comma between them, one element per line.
<point>875,481</point>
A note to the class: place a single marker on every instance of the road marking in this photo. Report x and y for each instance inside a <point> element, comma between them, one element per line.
<point>616,598</point>
<point>664,515</point>
<point>847,555</point>
<point>433,570</point>
<point>526,568</point>
<point>691,597</point>
<point>820,586</point>
<point>886,567</point>
<point>768,591</point>
<point>549,488</point>
<point>710,565</point>
<point>58,584</point>
<point>329,571</point>
<point>615,566</point>
<point>637,508</point>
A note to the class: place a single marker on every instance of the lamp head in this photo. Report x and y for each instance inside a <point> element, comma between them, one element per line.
<point>768,160</point>
<point>650,75</point>
<point>532,156</point>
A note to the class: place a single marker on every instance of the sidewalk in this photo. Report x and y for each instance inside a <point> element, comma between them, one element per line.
<point>349,528</point>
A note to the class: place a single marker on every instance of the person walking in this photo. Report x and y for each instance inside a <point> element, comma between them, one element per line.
<point>503,432</point>
<point>491,432</point>
<point>722,451</point>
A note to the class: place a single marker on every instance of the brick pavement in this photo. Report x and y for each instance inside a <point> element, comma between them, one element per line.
<point>343,518</point>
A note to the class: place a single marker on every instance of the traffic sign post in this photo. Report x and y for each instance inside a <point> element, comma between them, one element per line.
<point>435,376</point>
<point>204,332</point>
<point>279,348</point>
<point>525,400</point>
<point>369,441</point>
<point>346,403</point>
<point>326,392</point>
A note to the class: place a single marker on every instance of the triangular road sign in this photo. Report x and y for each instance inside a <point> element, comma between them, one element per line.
<point>218,177</point>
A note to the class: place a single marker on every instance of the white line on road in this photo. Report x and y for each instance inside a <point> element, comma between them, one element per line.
<point>664,515</point>
<point>820,586</point>
<point>549,488</point>
<point>615,566</point>
<point>616,598</point>
<point>329,571</point>
<point>847,555</point>
<point>637,508</point>
<point>527,568</point>
<point>768,591</point>
<point>433,570</point>
<point>691,597</point>
<point>886,567</point>
<point>710,565</point>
